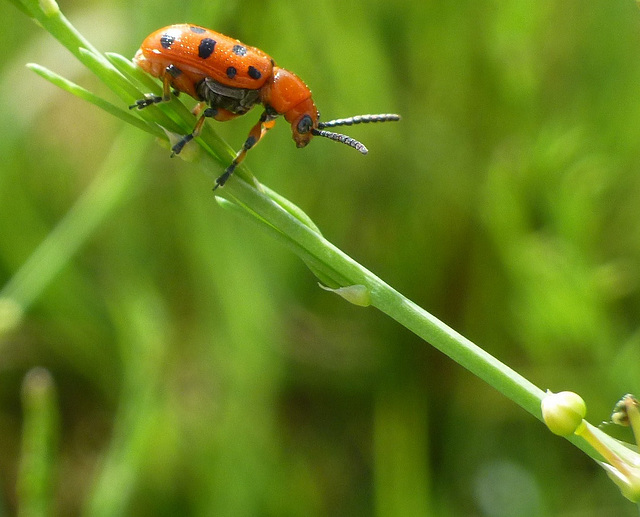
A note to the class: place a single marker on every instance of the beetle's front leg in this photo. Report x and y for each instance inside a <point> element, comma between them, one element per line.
<point>266,122</point>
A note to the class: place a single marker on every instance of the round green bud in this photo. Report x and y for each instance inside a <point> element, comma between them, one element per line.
<point>563,412</point>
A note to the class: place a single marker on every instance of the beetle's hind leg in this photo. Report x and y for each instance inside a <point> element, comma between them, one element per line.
<point>170,73</point>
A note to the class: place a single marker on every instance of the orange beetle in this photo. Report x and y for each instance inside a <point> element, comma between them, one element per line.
<point>229,78</point>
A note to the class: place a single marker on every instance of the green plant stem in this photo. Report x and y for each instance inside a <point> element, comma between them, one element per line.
<point>344,271</point>
<point>39,443</point>
<point>335,267</point>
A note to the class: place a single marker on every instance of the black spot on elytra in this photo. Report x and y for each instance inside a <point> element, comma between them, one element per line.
<point>197,30</point>
<point>205,49</point>
<point>231,72</point>
<point>239,50</point>
<point>166,40</point>
<point>254,73</point>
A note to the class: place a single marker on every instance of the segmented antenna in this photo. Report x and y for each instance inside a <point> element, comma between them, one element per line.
<point>350,121</point>
<point>359,119</point>
<point>351,142</point>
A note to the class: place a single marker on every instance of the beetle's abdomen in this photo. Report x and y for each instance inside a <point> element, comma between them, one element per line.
<point>235,100</point>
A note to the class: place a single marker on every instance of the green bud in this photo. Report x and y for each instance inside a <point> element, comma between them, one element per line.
<point>563,412</point>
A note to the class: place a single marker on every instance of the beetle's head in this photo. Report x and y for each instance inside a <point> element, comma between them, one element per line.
<point>288,95</point>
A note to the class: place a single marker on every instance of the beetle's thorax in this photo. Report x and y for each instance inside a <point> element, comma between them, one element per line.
<point>288,95</point>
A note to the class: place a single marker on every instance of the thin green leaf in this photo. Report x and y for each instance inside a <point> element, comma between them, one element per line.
<point>88,96</point>
<point>108,74</point>
<point>163,114</point>
<point>292,208</point>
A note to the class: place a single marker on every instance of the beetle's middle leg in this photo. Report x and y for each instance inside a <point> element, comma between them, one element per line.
<point>204,113</point>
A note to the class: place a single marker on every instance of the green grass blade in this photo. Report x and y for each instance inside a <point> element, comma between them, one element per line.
<point>115,182</point>
<point>39,443</point>
<point>88,96</point>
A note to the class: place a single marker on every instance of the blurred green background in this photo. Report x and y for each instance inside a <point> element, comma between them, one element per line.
<point>199,369</point>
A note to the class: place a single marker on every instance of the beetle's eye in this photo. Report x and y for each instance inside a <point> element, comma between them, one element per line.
<point>305,124</point>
